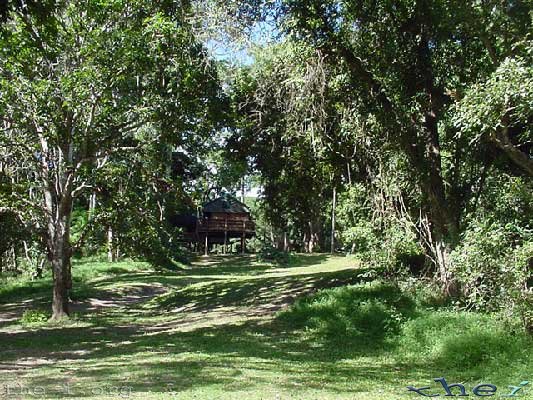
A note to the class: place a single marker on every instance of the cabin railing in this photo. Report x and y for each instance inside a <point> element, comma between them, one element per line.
<point>217,225</point>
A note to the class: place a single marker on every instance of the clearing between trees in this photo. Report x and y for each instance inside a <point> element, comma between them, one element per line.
<point>320,327</point>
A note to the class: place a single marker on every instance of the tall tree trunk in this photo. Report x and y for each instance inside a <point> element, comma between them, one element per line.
<point>60,255</point>
<point>15,260</point>
<point>420,141</point>
<point>333,207</point>
<point>442,229</point>
<point>92,204</point>
<point>58,180</point>
<point>306,242</point>
<point>61,270</point>
<point>313,238</point>
<point>38,274</point>
<point>443,224</point>
<point>27,253</point>
<point>110,245</point>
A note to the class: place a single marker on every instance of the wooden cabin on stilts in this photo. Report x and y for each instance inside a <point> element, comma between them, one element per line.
<point>220,220</point>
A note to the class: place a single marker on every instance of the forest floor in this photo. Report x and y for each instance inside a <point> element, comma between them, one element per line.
<point>226,327</point>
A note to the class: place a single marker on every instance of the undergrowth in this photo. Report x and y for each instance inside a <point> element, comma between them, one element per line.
<point>413,330</point>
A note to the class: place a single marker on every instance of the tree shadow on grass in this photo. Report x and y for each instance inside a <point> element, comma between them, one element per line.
<point>306,347</point>
<point>145,278</point>
<point>248,264</point>
<point>28,290</point>
<point>222,355</point>
<point>346,336</point>
<point>262,290</point>
<point>38,297</point>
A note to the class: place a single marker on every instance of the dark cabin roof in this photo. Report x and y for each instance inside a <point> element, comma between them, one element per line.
<point>225,204</point>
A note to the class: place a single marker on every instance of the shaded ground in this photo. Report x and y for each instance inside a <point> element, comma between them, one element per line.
<point>210,331</point>
<point>148,323</point>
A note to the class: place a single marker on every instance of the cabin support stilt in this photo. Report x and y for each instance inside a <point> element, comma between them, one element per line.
<point>225,248</point>
<point>206,250</point>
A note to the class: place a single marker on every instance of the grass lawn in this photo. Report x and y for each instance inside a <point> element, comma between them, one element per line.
<point>234,328</point>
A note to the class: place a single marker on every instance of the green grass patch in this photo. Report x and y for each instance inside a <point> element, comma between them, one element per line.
<point>24,289</point>
<point>478,344</point>
<point>232,327</point>
<point>378,319</point>
<point>34,317</point>
<point>363,315</point>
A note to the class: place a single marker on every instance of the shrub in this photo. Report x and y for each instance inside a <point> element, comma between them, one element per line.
<point>462,340</point>
<point>395,251</point>
<point>158,246</point>
<point>33,317</point>
<point>360,238</point>
<point>403,250</point>
<point>365,313</point>
<point>271,254</point>
<point>425,291</point>
<point>493,265</point>
<point>522,297</point>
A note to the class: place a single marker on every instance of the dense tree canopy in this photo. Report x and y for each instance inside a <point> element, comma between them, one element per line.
<point>400,131</point>
<point>85,91</point>
<point>434,96</point>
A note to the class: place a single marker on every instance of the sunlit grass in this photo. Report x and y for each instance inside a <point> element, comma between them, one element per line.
<point>233,328</point>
